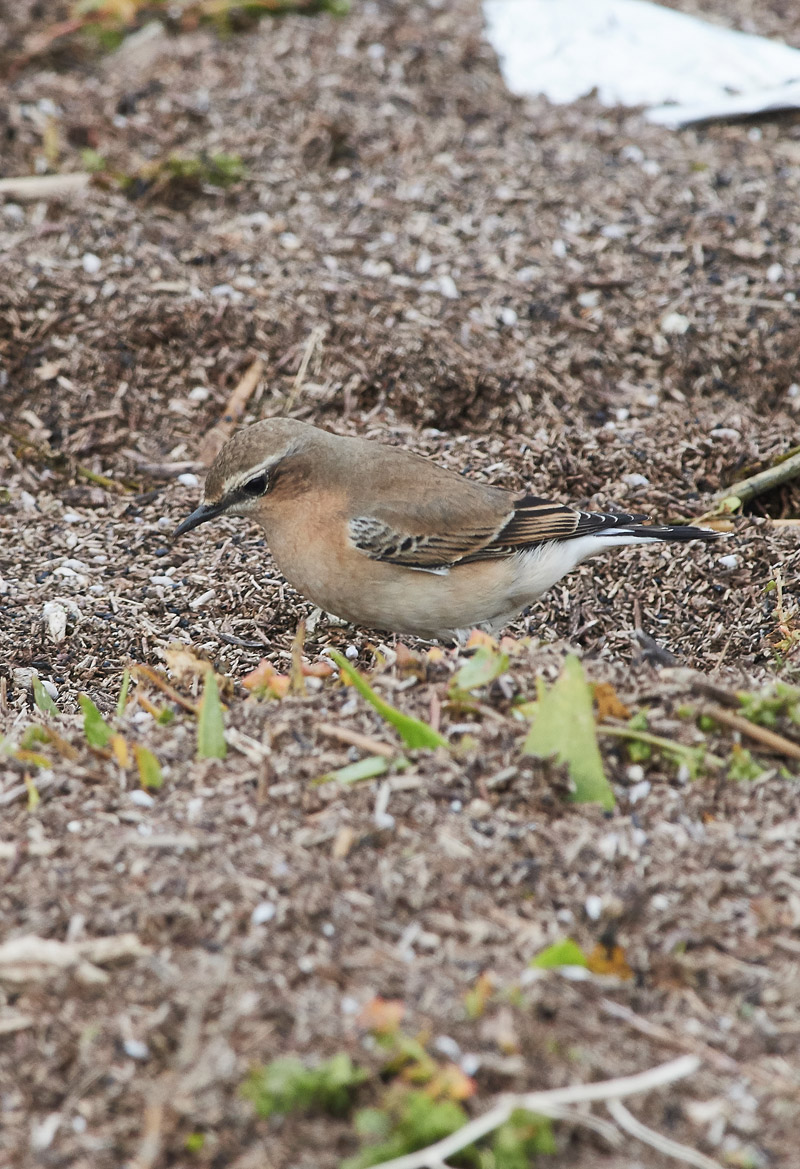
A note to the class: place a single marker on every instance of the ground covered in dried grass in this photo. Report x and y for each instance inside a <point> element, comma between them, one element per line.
<point>560,298</point>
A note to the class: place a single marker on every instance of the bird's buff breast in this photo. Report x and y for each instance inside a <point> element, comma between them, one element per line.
<point>318,560</point>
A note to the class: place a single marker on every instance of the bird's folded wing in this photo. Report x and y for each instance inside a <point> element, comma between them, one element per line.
<point>538,521</point>
<point>396,542</point>
<point>529,521</point>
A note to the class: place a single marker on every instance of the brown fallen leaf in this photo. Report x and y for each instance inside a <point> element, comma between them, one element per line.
<point>609,960</point>
<point>382,1016</point>
<point>608,702</point>
<point>265,681</point>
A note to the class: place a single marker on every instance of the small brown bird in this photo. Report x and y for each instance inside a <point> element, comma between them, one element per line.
<point>389,540</point>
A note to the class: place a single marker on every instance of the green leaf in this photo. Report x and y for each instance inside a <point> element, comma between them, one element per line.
<point>412,731</point>
<point>483,667</point>
<point>41,697</point>
<point>95,727</point>
<point>563,953</point>
<point>150,775</point>
<point>288,1085</point>
<point>354,772</point>
<point>517,1143</point>
<point>34,734</point>
<point>563,726</point>
<point>418,1121</point>
<point>210,722</point>
<point>123,693</point>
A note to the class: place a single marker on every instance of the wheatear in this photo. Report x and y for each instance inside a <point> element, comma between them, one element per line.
<point>389,540</point>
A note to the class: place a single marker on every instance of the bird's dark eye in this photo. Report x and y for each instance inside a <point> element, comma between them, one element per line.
<point>256,486</point>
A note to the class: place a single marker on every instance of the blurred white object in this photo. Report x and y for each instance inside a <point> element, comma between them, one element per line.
<point>639,54</point>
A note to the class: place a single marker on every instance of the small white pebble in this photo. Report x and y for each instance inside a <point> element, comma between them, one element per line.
<point>608,845</point>
<point>558,248</point>
<point>135,1049</point>
<point>203,599</point>
<point>78,1123</point>
<point>27,501</point>
<point>639,791</point>
<point>188,480</point>
<point>223,290</point>
<point>306,964</point>
<point>731,561</point>
<point>456,806</point>
<point>447,1046</point>
<point>622,414</point>
<point>14,212</point>
<point>50,688</point>
<point>199,394</point>
<point>159,579</point>
<point>470,1063</point>
<point>384,820</point>
<point>70,517</point>
<point>508,316</point>
<point>328,929</point>
<point>194,808</point>
<point>590,299</point>
<point>290,241</point>
<point>349,1005</point>
<point>376,52</point>
<point>593,907</point>
<point>793,391</point>
<point>775,273</point>
<point>639,837</point>
<point>423,264</point>
<point>635,773</point>
<point>479,809</point>
<point>447,286</point>
<point>142,799</point>
<point>632,154</point>
<point>91,263</point>
<point>263,912</point>
<point>351,653</point>
<point>674,324</point>
<point>725,432</point>
<point>636,480</point>
<point>74,826</point>
<point>651,167</point>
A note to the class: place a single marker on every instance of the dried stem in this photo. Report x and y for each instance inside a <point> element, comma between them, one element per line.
<point>543,1103</point>
<point>655,1140</point>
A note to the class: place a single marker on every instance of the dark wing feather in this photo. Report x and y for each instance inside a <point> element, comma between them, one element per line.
<point>537,521</point>
<point>530,521</point>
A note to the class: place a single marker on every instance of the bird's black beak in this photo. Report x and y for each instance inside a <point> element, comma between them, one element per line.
<point>206,511</point>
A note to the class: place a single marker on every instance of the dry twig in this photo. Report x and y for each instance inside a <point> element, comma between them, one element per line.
<point>543,1103</point>
<point>733,497</point>
<point>314,338</point>
<point>655,1140</point>
<point>769,739</point>
<point>216,438</point>
<point>356,739</point>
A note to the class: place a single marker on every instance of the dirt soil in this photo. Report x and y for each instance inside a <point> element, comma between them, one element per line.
<point>562,299</point>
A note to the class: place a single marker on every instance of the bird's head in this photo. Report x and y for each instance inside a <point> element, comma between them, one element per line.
<point>248,467</point>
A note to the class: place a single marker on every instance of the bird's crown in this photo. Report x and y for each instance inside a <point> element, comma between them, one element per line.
<point>248,457</point>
